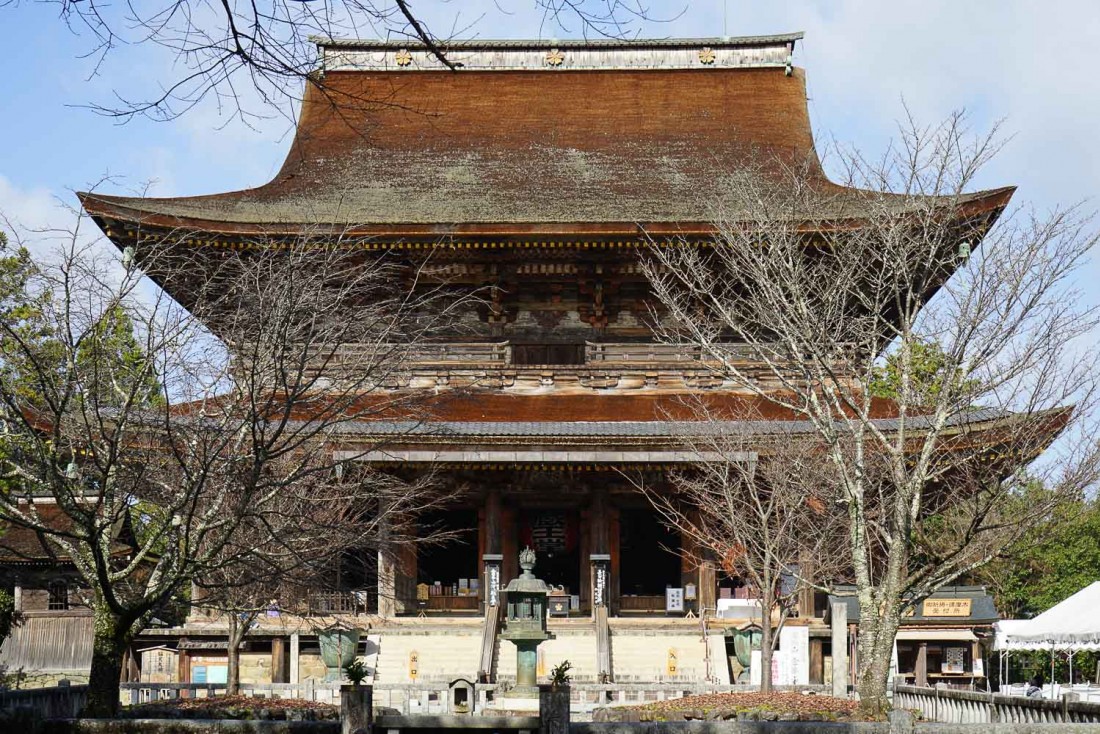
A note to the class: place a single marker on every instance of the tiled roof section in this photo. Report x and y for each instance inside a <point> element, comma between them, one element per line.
<point>520,154</point>
<point>630,429</point>
<point>22,544</point>
<point>502,407</point>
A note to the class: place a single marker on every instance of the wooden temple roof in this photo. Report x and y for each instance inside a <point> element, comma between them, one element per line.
<point>528,141</point>
<point>23,544</point>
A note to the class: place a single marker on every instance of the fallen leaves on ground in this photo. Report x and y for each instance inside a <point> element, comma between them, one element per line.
<point>233,707</point>
<point>754,705</point>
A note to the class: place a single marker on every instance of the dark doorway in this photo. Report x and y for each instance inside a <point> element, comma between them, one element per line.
<point>450,565</point>
<point>650,554</point>
<point>553,535</point>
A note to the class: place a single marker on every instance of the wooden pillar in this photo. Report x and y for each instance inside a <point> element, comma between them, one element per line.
<point>405,580</point>
<point>278,660</point>
<point>614,536</point>
<point>599,524</point>
<point>183,665</point>
<point>295,649</point>
<point>708,585</point>
<point>922,664</point>
<point>387,603</point>
<point>494,528</point>
<point>840,649</point>
<point>584,571</point>
<point>387,580</point>
<point>509,544</point>
<point>490,535</point>
<point>817,660</point>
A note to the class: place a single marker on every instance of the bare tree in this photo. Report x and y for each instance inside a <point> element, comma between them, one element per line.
<point>762,507</point>
<point>293,548</point>
<point>832,291</point>
<point>249,56</point>
<point>197,438</point>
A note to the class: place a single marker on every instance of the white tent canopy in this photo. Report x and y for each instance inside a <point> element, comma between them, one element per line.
<point>1071,626</point>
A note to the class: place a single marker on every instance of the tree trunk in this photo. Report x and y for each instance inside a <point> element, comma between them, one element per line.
<point>233,655</point>
<point>876,643</point>
<point>109,643</point>
<point>766,642</point>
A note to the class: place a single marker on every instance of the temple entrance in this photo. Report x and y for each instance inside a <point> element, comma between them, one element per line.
<point>554,535</point>
<point>449,568</point>
<point>650,563</point>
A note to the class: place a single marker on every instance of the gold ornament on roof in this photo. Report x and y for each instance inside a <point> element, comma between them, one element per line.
<point>706,56</point>
<point>555,57</point>
<point>403,57</point>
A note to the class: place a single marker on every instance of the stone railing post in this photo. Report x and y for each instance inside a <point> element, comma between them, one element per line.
<point>840,649</point>
<point>901,722</point>
<point>553,709</point>
<point>355,709</point>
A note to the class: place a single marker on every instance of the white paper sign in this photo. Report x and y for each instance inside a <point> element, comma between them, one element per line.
<point>674,600</point>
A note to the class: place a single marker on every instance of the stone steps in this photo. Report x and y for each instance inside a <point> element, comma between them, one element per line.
<point>443,655</point>
<point>639,652</point>
<point>644,658</point>
<point>578,646</point>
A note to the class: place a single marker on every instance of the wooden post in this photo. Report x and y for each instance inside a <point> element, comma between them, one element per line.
<point>840,649</point>
<point>405,580</point>
<point>278,660</point>
<point>817,660</point>
<point>708,586</point>
<point>295,646</point>
<point>922,664</point>
<point>509,545</point>
<point>493,522</point>
<point>491,540</point>
<point>183,666</point>
<point>387,592</point>
<point>614,536</point>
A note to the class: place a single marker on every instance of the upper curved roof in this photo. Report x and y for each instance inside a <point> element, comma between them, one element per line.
<point>634,136</point>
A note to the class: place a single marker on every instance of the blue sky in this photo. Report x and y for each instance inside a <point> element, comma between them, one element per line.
<point>1030,63</point>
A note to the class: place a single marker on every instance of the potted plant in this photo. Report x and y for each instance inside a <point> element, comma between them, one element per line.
<point>357,672</point>
<point>559,675</point>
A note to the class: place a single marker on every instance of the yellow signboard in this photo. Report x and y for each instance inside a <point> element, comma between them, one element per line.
<point>673,661</point>
<point>947,607</point>
<point>414,664</point>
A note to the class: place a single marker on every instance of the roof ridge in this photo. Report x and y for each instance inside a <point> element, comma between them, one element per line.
<point>537,43</point>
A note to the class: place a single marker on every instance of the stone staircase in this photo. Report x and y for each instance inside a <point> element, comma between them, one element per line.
<point>574,640</point>
<point>640,651</point>
<point>444,652</point>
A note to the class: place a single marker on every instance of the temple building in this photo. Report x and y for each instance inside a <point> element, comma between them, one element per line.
<point>536,173</point>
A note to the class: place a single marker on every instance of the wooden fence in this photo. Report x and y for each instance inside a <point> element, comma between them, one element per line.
<point>951,706</point>
<point>57,702</point>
